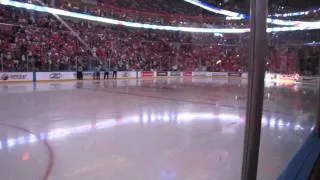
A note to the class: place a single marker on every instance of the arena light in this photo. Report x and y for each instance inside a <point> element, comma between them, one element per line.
<point>299,13</point>
<point>304,26</point>
<point>312,43</point>
<point>215,9</point>
<point>237,16</point>
<point>118,22</point>
<point>233,18</point>
<point>301,27</point>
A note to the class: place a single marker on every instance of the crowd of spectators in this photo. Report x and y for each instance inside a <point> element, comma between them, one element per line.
<point>43,42</point>
<point>38,41</point>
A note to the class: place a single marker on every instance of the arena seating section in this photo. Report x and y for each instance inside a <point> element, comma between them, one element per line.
<point>38,41</point>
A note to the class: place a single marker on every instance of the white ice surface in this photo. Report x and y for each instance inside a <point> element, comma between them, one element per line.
<point>176,129</point>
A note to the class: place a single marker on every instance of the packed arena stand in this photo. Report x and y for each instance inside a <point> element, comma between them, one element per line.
<point>48,43</point>
<point>38,41</point>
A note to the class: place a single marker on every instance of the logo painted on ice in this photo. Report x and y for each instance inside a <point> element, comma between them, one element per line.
<point>55,76</point>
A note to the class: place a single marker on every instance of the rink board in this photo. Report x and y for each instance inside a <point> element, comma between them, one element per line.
<point>88,75</point>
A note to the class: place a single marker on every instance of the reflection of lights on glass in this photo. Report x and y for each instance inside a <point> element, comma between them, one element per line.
<point>42,136</point>
<point>0,145</point>
<point>133,119</point>
<point>21,140</point>
<point>298,127</point>
<point>288,124</point>
<point>180,117</point>
<point>264,121</point>
<point>11,142</point>
<point>32,138</point>
<point>205,115</point>
<point>228,117</point>
<point>312,128</point>
<point>152,118</point>
<point>280,127</point>
<point>58,133</point>
<point>280,123</point>
<point>80,129</point>
<point>166,118</point>
<point>272,123</point>
<point>106,124</point>
<point>144,119</point>
<point>185,117</point>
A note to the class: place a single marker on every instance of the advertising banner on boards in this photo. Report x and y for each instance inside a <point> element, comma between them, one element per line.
<point>54,76</point>
<point>127,74</point>
<point>234,74</point>
<point>219,74</point>
<point>175,73</point>
<point>202,74</point>
<point>15,76</point>
<point>86,75</point>
<point>187,73</point>
<point>162,74</point>
<point>292,77</point>
<point>147,74</point>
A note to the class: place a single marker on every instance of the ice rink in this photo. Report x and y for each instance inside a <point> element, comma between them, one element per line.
<point>175,129</point>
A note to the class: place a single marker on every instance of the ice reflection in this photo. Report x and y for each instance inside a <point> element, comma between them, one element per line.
<point>147,118</point>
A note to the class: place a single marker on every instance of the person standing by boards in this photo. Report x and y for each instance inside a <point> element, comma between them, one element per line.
<point>97,73</point>
<point>114,72</point>
<point>80,73</point>
<point>106,72</point>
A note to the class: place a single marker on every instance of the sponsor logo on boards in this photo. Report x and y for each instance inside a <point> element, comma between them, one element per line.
<point>4,77</point>
<point>147,74</point>
<point>199,73</point>
<point>187,73</point>
<point>175,73</point>
<point>219,74</point>
<point>162,73</point>
<point>307,78</point>
<point>125,74</point>
<point>56,75</point>
<point>234,74</point>
<point>14,76</point>
<point>288,76</point>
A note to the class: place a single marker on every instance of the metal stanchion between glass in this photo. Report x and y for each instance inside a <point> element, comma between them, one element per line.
<point>258,49</point>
